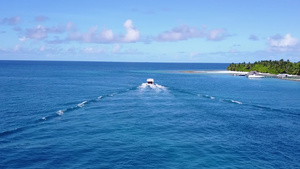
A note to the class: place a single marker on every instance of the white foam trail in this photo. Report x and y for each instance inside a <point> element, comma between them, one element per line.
<point>81,104</point>
<point>207,96</point>
<point>111,95</point>
<point>233,101</point>
<point>160,86</point>
<point>143,86</point>
<point>99,97</point>
<point>225,100</point>
<point>152,86</point>
<point>60,112</point>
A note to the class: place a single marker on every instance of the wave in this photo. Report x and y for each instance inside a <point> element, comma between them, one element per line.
<point>16,130</point>
<point>294,112</point>
<point>157,87</point>
<point>60,113</point>
<point>113,94</point>
<point>233,101</point>
<point>143,86</point>
<point>206,96</point>
<point>272,109</point>
<point>222,100</point>
<point>286,111</point>
<point>81,104</point>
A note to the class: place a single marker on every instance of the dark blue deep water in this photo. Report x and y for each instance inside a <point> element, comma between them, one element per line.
<point>100,115</point>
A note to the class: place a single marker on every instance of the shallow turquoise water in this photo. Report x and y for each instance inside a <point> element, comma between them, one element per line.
<point>99,115</point>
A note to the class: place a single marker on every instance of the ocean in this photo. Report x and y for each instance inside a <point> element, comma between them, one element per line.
<point>102,115</point>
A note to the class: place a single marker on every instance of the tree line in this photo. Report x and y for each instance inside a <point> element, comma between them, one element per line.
<point>268,66</point>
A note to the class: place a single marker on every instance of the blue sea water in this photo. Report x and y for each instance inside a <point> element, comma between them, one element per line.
<point>100,115</point>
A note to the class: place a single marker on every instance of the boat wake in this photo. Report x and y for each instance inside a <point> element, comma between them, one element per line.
<point>232,101</point>
<point>220,99</point>
<point>143,87</point>
<point>155,87</point>
<point>61,112</point>
<point>206,96</point>
<point>256,106</point>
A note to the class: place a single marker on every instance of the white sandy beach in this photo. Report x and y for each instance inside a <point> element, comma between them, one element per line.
<point>294,77</point>
<point>216,72</point>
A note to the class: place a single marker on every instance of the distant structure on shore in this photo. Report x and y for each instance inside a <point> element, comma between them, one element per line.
<point>252,73</point>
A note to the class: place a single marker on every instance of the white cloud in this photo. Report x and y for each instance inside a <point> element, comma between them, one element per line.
<point>17,48</point>
<point>10,21</point>
<point>216,34</point>
<point>94,35</point>
<point>39,32</point>
<point>22,39</point>
<point>132,34</point>
<point>42,48</point>
<point>41,18</point>
<point>91,35</point>
<point>70,26</point>
<point>193,54</point>
<point>253,37</point>
<point>286,43</point>
<point>128,24</point>
<point>91,50</point>
<point>116,48</point>
<point>88,50</point>
<point>185,32</point>
<point>107,34</point>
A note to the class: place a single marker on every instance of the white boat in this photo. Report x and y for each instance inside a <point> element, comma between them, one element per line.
<point>150,81</point>
<point>255,76</point>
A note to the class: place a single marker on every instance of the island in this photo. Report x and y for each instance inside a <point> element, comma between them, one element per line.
<point>281,69</point>
<point>265,66</point>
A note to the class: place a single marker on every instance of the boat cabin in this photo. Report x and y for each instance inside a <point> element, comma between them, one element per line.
<point>150,81</point>
<point>252,73</point>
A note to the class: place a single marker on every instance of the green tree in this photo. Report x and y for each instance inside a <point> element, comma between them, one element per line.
<point>268,66</point>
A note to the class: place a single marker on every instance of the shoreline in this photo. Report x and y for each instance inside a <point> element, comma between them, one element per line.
<point>240,73</point>
<point>215,71</point>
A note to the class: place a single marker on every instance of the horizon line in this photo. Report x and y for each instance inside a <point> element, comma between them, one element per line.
<point>110,61</point>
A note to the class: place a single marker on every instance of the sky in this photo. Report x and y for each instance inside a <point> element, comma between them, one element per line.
<point>206,31</point>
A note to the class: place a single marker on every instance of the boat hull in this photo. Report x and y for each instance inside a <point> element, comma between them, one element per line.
<point>255,76</point>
